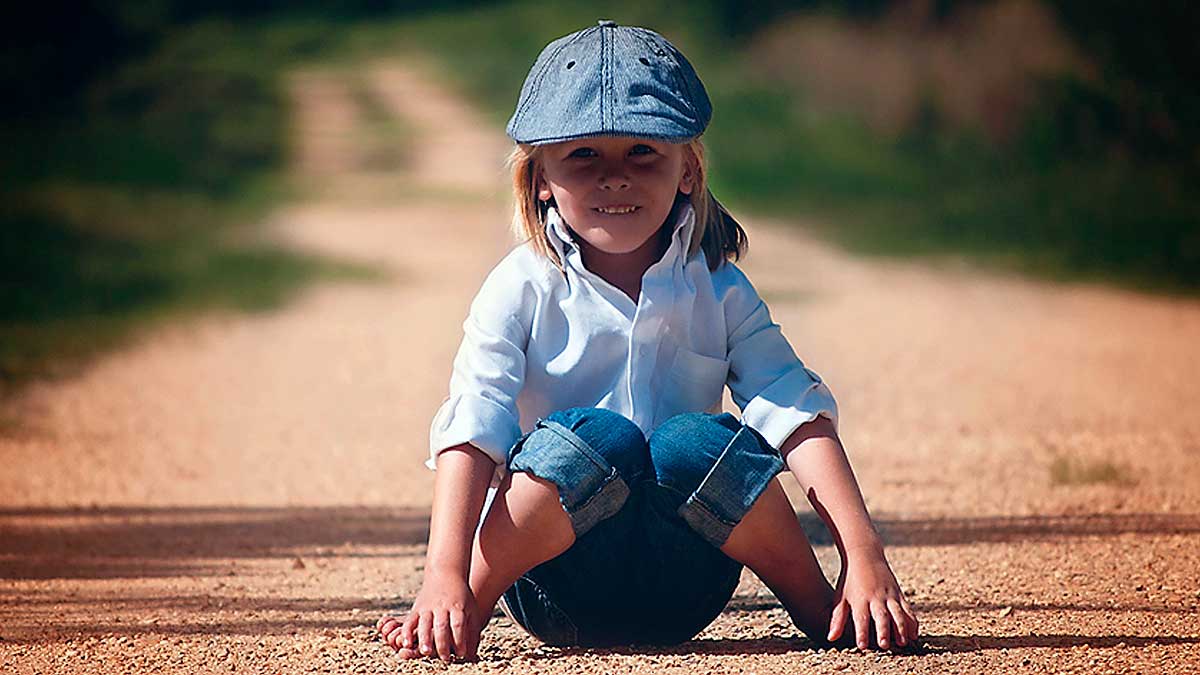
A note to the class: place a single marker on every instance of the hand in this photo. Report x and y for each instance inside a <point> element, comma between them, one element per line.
<point>867,592</point>
<point>444,621</point>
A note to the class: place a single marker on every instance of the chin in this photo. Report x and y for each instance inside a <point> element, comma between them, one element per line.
<point>615,249</point>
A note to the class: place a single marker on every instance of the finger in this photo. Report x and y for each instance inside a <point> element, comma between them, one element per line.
<point>458,629</point>
<point>883,624</point>
<point>862,626</point>
<point>444,641</point>
<point>837,622</point>
<point>425,634</point>
<point>900,621</point>
<point>408,653</point>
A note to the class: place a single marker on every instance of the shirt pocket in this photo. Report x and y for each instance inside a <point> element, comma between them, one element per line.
<point>693,384</point>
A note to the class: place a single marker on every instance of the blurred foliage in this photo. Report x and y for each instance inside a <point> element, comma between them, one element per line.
<point>142,141</point>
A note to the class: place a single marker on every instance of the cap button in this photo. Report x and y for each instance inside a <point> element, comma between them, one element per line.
<point>607,23</point>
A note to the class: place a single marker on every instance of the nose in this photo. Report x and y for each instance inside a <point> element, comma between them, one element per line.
<point>613,178</point>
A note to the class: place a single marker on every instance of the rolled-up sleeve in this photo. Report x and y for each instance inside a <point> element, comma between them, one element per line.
<point>775,391</point>
<point>489,371</point>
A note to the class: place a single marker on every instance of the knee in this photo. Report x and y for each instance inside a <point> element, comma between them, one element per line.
<point>712,468</point>
<point>592,455</point>
<point>684,448</point>
<point>612,437</point>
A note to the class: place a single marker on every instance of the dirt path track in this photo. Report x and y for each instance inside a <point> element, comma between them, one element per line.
<point>245,493</point>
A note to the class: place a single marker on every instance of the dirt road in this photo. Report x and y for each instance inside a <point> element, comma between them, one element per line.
<point>245,494</point>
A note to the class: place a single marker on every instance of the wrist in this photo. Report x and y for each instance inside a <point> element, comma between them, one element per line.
<point>864,548</point>
<point>445,570</point>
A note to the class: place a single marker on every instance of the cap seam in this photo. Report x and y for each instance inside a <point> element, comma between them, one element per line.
<point>605,73</point>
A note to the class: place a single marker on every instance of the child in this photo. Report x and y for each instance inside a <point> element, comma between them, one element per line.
<point>585,394</point>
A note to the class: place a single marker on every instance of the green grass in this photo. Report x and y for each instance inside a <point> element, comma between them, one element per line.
<point>1037,206</point>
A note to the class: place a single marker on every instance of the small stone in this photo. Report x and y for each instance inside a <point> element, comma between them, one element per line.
<point>1006,611</point>
<point>298,564</point>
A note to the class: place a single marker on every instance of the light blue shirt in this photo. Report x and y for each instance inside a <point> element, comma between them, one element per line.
<point>539,339</point>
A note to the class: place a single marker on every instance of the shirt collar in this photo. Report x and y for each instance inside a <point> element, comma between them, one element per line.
<point>564,242</point>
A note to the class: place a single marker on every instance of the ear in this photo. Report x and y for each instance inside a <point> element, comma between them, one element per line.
<point>687,182</point>
<point>543,188</point>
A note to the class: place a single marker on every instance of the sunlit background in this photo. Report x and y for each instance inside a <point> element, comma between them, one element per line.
<point>142,141</point>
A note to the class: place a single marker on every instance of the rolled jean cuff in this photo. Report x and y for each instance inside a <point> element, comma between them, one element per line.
<point>589,487</point>
<point>742,471</point>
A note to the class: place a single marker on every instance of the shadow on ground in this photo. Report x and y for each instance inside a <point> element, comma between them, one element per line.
<point>1004,529</point>
<point>112,543</point>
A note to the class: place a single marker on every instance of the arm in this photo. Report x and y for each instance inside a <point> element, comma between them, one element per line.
<point>824,474</point>
<point>444,615</point>
<point>463,474</point>
<point>469,440</point>
<point>867,589</point>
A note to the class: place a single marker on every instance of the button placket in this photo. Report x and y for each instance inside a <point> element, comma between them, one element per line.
<point>643,345</point>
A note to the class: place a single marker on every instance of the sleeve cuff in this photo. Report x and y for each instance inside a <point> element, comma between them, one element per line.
<point>472,419</point>
<point>780,409</point>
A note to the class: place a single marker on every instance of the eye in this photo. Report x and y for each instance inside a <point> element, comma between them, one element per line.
<point>641,149</point>
<point>582,152</point>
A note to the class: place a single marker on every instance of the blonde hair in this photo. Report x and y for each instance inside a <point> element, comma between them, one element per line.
<point>716,232</point>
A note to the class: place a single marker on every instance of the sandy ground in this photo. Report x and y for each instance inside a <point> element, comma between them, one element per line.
<point>245,494</point>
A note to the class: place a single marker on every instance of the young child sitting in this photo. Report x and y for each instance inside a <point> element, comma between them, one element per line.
<point>586,395</point>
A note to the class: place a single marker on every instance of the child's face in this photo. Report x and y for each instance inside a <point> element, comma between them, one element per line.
<point>614,191</point>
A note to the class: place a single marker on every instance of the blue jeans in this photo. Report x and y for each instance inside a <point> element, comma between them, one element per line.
<point>649,518</point>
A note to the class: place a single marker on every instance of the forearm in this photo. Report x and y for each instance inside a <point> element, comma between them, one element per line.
<point>816,457</point>
<point>463,475</point>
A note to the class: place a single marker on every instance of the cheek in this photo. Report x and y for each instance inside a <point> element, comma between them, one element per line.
<point>667,178</point>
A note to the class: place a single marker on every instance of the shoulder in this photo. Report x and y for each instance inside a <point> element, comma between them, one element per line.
<point>516,284</point>
<point>523,270</point>
<point>730,284</point>
<point>739,299</point>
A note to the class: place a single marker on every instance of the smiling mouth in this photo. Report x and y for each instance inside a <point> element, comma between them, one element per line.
<point>616,210</point>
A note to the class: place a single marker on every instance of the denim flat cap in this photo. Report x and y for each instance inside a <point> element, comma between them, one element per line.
<point>610,80</point>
